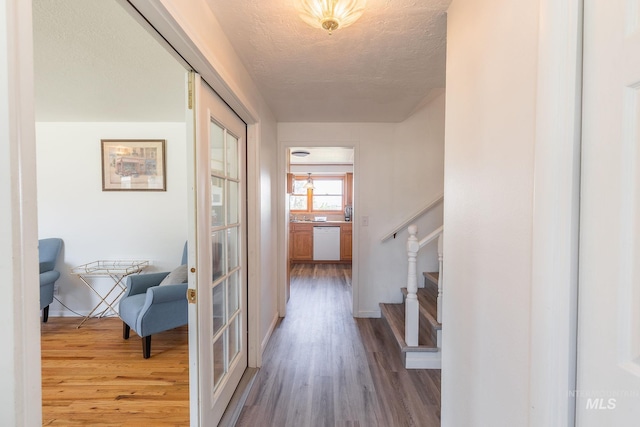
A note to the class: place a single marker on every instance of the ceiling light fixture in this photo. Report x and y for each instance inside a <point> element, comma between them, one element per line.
<point>330,14</point>
<point>300,153</point>
<point>309,183</point>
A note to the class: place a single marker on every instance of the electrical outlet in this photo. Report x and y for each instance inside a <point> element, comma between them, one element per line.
<point>365,221</point>
<point>56,289</point>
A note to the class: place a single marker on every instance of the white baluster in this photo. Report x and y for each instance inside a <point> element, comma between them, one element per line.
<point>411,302</point>
<point>440,279</point>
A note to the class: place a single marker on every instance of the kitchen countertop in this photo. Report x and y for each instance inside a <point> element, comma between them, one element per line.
<point>320,222</point>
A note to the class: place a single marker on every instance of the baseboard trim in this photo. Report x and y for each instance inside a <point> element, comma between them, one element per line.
<point>67,313</point>
<point>267,337</point>
<point>374,314</point>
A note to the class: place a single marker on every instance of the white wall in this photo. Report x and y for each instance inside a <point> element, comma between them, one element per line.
<point>489,157</point>
<point>96,224</point>
<point>268,228</point>
<point>398,169</point>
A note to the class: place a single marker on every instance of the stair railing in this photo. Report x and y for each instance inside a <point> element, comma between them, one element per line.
<point>424,210</point>
<point>411,305</point>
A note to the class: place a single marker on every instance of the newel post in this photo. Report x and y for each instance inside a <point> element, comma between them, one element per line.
<point>411,302</point>
<point>440,279</point>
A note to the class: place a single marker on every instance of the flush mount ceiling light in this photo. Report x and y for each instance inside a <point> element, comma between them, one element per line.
<point>300,153</point>
<point>330,14</point>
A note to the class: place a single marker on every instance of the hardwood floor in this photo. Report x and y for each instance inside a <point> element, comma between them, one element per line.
<point>322,367</point>
<point>92,377</point>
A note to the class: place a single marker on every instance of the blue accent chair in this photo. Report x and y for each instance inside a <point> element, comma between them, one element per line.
<point>48,251</point>
<point>149,309</point>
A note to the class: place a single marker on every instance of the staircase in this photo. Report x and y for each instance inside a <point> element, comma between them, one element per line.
<point>427,354</point>
<point>416,323</point>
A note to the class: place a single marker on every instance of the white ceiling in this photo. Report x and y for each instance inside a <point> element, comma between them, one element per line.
<point>377,70</point>
<point>94,62</point>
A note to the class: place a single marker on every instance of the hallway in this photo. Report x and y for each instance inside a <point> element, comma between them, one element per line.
<point>322,367</point>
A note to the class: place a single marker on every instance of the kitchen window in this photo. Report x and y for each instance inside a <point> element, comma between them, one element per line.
<point>326,196</point>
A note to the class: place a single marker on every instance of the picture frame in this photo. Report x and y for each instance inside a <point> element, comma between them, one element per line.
<point>133,165</point>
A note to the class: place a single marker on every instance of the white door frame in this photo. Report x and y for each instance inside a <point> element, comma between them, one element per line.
<point>556,216</point>
<point>20,367</point>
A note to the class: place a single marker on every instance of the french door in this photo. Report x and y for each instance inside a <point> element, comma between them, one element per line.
<point>217,254</point>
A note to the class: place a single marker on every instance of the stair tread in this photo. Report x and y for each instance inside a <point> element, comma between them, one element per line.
<point>428,307</point>
<point>431,284</point>
<point>394,315</point>
<point>432,276</point>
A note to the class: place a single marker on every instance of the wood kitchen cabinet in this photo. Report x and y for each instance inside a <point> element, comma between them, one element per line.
<point>301,242</point>
<point>346,242</point>
<point>348,189</point>
<point>290,179</point>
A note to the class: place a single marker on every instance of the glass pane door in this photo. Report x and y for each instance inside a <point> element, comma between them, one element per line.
<point>217,258</point>
<point>225,251</point>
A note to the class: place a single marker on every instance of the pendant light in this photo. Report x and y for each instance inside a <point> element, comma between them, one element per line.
<point>309,184</point>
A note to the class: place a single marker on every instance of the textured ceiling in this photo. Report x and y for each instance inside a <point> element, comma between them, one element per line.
<point>94,62</point>
<point>377,70</point>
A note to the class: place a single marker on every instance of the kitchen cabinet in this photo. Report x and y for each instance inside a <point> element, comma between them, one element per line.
<point>348,189</point>
<point>301,242</point>
<point>290,179</point>
<point>346,242</point>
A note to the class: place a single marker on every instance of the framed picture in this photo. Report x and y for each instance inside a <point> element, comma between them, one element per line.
<point>133,165</point>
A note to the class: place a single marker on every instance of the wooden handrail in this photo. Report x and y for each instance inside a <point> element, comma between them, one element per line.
<point>431,237</point>
<point>413,217</point>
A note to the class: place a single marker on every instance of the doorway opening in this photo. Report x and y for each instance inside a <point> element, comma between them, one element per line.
<point>319,211</point>
<point>100,75</point>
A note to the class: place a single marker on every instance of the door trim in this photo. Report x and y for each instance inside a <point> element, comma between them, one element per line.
<point>22,392</point>
<point>556,206</point>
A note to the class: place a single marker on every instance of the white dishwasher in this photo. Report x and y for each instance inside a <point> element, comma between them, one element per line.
<point>326,243</point>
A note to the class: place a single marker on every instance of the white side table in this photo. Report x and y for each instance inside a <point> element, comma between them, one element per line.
<point>117,270</point>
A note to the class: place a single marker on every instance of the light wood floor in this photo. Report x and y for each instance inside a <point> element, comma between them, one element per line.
<point>92,377</point>
<point>321,367</point>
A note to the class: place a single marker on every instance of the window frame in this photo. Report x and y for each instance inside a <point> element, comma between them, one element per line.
<point>310,194</point>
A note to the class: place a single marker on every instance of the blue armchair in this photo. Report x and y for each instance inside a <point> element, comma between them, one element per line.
<point>48,251</point>
<point>149,309</point>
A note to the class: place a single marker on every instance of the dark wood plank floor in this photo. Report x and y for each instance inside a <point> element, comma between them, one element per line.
<point>322,367</point>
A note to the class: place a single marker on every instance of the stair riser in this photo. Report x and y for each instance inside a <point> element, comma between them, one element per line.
<point>434,332</point>
<point>423,360</point>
